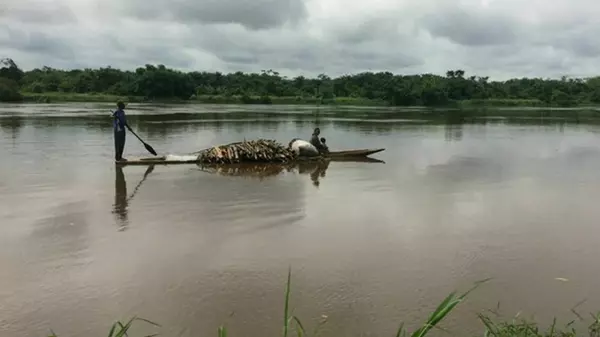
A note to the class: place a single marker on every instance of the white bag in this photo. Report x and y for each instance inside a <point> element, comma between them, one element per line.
<point>303,148</point>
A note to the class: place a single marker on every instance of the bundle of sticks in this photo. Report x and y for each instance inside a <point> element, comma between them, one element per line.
<point>261,150</point>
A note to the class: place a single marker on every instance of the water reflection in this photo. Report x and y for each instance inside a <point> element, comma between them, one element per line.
<point>160,123</point>
<point>453,132</point>
<point>121,205</point>
<point>121,202</point>
<point>12,125</point>
<point>315,169</point>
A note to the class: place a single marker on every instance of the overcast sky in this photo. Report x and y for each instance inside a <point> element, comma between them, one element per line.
<point>496,38</point>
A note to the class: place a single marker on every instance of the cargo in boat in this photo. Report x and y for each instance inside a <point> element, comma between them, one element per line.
<point>258,151</point>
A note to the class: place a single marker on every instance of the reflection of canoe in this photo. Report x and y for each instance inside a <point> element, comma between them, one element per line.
<point>262,170</point>
<point>158,160</point>
<point>251,169</point>
<point>348,155</point>
<point>315,169</point>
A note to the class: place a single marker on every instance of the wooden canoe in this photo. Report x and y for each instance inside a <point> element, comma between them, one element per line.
<point>353,153</point>
<point>348,155</point>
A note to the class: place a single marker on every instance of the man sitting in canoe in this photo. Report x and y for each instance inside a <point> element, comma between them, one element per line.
<point>316,142</point>
<point>325,147</point>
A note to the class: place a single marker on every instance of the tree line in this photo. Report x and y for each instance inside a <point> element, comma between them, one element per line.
<point>157,82</point>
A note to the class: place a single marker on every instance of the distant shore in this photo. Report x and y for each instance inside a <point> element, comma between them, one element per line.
<point>59,97</point>
<point>158,83</point>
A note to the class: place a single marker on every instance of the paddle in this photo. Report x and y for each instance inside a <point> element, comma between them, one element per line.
<point>148,147</point>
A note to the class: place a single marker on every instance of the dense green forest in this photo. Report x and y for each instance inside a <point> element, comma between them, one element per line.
<point>159,83</point>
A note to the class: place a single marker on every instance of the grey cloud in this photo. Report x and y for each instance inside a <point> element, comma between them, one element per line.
<point>376,59</point>
<point>252,14</point>
<point>505,38</point>
<point>67,48</point>
<point>471,29</point>
<point>564,27</point>
<point>37,12</point>
<point>116,51</point>
<point>233,58</point>
<point>581,42</point>
<point>584,47</point>
<point>158,55</point>
<point>339,62</point>
<point>37,42</point>
<point>523,61</point>
<point>377,28</point>
<point>300,52</point>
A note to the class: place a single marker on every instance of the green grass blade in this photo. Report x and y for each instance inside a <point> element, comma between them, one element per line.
<point>552,328</point>
<point>124,328</point>
<point>147,321</point>
<point>287,304</point>
<point>222,331</point>
<point>447,305</point>
<point>401,332</point>
<point>490,328</point>
<point>111,333</point>
<point>301,331</point>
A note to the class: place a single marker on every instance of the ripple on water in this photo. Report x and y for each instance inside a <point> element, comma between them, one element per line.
<point>223,203</point>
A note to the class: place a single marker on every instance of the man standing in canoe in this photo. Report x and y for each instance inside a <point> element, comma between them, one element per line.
<point>119,125</point>
<point>316,142</point>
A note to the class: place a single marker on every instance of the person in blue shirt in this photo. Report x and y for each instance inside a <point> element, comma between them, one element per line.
<point>119,125</point>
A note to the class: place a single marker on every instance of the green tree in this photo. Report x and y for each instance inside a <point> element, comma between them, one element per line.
<point>10,76</point>
<point>155,82</point>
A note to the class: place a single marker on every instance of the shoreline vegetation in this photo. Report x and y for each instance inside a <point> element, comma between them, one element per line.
<point>491,324</point>
<point>159,84</point>
<point>66,97</point>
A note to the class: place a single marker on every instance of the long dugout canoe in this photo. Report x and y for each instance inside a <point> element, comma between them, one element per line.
<point>347,155</point>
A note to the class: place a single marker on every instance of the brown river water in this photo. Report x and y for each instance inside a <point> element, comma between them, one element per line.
<point>371,245</point>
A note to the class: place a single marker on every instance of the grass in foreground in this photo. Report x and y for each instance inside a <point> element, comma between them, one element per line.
<point>491,328</point>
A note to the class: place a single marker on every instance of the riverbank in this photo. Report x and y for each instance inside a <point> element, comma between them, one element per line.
<point>60,97</point>
<point>491,325</point>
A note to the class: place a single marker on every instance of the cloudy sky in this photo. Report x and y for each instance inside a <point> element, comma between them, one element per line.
<point>496,38</point>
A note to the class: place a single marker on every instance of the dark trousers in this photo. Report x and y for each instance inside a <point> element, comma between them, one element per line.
<point>119,144</point>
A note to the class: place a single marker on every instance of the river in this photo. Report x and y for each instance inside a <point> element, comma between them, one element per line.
<point>370,245</point>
